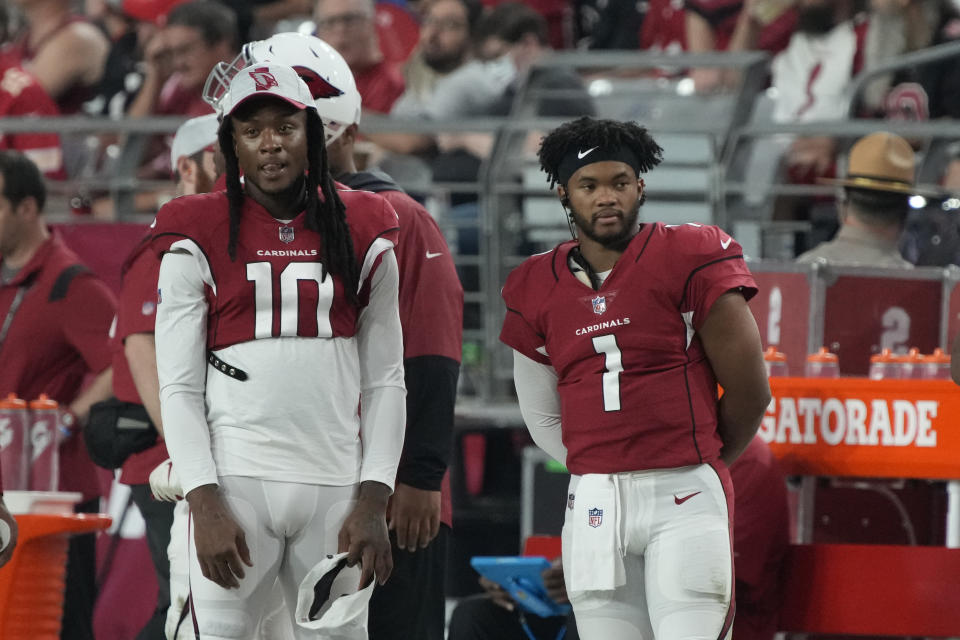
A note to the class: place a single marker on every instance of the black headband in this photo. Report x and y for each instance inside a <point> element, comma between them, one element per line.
<point>579,158</point>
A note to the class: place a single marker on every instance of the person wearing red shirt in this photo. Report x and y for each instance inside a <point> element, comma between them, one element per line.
<point>620,339</point>
<point>735,25</point>
<point>66,52</point>
<point>305,300</point>
<point>348,27</point>
<point>57,315</point>
<point>22,95</point>
<point>177,59</point>
<point>411,604</point>
<point>135,360</point>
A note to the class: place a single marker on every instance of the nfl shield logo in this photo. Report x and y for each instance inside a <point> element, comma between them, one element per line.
<point>596,517</point>
<point>599,305</point>
<point>570,501</point>
<point>286,234</point>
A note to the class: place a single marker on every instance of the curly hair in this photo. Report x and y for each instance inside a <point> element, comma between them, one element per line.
<point>326,217</point>
<point>588,132</point>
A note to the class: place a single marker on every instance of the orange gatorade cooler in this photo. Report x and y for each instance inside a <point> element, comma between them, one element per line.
<point>822,364</point>
<point>14,439</point>
<point>44,452</point>
<point>776,363</point>
<point>936,366</point>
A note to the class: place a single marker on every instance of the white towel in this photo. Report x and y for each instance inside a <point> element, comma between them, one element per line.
<point>596,562</point>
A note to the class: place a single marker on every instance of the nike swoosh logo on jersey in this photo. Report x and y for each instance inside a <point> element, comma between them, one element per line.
<point>684,498</point>
<point>430,254</point>
<point>583,154</point>
<point>725,243</point>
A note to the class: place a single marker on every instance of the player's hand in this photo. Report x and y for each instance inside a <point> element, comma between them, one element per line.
<point>414,516</point>
<point>497,594</point>
<point>165,483</point>
<point>8,518</point>
<point>364,534</point>
<point>553,581</point>
<point>221,545</point>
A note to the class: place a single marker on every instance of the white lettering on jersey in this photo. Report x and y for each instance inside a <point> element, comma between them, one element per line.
<point>619,322</point>
<point>296,253</point>
<point>261,274</point>
<point>725,243</point>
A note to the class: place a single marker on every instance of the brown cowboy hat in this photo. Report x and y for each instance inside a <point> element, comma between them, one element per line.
<point>882,161</point>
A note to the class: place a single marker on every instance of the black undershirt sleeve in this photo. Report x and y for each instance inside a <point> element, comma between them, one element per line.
<point>431,393</point>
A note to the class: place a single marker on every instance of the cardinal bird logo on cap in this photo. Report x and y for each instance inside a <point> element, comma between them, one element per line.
<point>319,86</point>
<point>264,79</point>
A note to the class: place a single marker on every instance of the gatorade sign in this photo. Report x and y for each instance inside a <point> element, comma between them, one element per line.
<point>861,427</point>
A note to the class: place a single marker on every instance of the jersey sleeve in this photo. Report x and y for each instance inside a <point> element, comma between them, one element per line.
<point>92,309</point>
<point>374,229</point>
<point>137,307</point>
<point>520,330</point>
<point>379,346</point>
<point>714,264</point>
<point>431,296</point>
<point>182,369</point>
<point>196,218</point>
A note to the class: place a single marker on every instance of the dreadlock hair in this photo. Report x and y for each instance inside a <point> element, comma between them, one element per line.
<point>586,132</point>
<point>326,217</point>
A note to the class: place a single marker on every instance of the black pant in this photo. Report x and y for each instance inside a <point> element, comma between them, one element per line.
<point>81,590</point>
<point>411,604</point>
<point>478,618</point>
<point>158,516</point>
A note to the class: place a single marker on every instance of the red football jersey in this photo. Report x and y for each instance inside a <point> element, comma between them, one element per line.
<point>423,256</point>
<point>136,313</point>
<point>636,389</point>
<point>22,95</point>
<point>278,285</point>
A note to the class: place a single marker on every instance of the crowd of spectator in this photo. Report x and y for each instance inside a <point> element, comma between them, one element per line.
<point>453,59</point>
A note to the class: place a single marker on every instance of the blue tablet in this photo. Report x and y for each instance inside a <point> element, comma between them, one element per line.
<point>520,577</point>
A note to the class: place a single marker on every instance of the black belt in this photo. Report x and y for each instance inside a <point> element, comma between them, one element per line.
<point>227,369</point>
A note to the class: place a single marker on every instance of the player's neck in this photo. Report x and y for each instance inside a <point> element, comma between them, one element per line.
<point>600,257</point>
<point>283,205</point>
<point>31,240</point>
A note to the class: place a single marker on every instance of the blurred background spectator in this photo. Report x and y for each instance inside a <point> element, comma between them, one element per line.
<point>64,50</point>
<point>735,25</point>
<point>22,95</point>
<point>348,26</point>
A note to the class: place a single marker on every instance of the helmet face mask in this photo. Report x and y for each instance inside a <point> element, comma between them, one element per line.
<point>321,67</point>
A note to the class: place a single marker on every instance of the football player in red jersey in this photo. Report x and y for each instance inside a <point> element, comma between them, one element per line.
<point>620,338</point>
<point>277,307</point>
<point>135,370</point>
<point>411,604</point>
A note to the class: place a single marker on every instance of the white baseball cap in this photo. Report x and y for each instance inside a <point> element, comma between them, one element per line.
<point>267,79</point>
<point>328,599</point>
<point>194,135</point>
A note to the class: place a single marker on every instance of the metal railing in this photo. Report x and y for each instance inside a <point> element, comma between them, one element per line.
<point>624,85</point>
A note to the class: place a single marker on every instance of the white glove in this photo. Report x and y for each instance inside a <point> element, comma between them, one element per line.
<point>165,483</point>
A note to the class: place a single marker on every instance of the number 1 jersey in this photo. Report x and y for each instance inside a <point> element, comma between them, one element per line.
<point>636,389</point>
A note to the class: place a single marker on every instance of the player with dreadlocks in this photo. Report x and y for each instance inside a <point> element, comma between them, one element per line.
<point>620,338</point>
<point>277,319</point>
